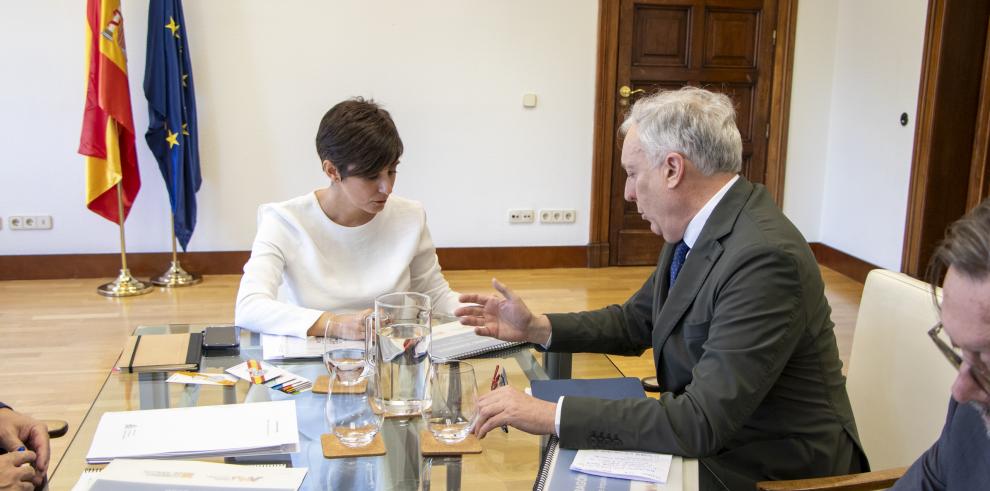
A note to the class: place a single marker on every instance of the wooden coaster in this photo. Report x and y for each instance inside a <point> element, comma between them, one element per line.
<point>320,386</point>
<point>429,446</point>
<point>333,449</point>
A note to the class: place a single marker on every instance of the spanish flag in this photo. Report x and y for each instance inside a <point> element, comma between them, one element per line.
<point>107,138</point>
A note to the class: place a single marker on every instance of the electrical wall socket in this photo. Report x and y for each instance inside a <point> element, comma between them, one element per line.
<point>521,216</point>
<point>558,216</point>
<point>30,222</point>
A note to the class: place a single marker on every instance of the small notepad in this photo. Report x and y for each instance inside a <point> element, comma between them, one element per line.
<point>635,466</point>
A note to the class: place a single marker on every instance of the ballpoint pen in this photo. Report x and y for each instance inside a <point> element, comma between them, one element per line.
<point>499,379</point>
<point>504,380</point>
<point>495,378</point>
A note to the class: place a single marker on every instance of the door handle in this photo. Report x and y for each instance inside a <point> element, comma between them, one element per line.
<point>625,91</point>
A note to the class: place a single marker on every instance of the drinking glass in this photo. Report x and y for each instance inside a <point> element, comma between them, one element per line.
<point>356,418</point>
<point>399,334</point>
<point>453,409</point>
<point>345,356</point>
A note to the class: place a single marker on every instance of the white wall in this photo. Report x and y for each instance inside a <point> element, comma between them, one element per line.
<point>811,97</point>
<point>864,166</point>
<point>869,160</point>
<point>451,72</point>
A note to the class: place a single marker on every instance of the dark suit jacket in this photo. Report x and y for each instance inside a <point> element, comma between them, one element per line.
<point>744,350</point>
<point>960,459</point>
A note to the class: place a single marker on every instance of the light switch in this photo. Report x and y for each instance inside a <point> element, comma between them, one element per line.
<point>529,100</point>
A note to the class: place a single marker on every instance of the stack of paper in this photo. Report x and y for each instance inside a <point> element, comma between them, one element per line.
<point>162,475</point>
<point>260,428</point>
<point>275,347</point>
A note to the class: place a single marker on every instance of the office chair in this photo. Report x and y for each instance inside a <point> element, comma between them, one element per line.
<point>899,383</point>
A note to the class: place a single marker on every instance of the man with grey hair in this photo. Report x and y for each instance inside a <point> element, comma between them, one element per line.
<point>960,459</point>
<point>735,313</point>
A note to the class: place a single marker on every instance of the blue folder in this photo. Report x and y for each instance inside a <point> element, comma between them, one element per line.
<point>603,388</point>
<point>555,472</point>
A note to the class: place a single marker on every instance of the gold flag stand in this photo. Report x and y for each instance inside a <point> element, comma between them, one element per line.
<point>125,285</point>
<point>175,276</point>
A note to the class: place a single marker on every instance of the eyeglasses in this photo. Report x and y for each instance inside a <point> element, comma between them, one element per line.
<point>954,356</point>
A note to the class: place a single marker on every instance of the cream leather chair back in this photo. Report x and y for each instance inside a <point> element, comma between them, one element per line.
<point>898,381</point>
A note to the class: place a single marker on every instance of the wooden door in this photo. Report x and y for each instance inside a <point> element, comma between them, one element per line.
<point>722,45</point>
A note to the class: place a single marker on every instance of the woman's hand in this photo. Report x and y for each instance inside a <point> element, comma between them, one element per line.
<point>347,326</point>
<point>350,326</point>
<point>507,319</point>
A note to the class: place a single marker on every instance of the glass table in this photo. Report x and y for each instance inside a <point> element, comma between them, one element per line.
<point>509,460</point>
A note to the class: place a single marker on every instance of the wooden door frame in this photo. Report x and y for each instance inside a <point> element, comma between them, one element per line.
<point>949,128</point>
<point>605,130</point>
<point>979,174</point>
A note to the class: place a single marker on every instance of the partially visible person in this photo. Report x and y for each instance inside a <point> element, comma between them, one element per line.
<point>960,459</point>
<point>327,254</point>
<point>23,440</point>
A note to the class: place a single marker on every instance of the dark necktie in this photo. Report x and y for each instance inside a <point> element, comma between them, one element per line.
<point>680,254</point>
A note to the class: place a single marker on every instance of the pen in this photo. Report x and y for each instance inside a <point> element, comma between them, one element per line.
<point>495,378</point>
<point>504,380</point>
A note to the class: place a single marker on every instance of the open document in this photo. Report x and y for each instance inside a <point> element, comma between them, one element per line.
<point>451,340</point>
<point>631,472</point>
<point>260,428</point>
<point>276,347</point>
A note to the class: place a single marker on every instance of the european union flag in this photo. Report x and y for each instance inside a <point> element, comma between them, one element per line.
<point>172,135</point>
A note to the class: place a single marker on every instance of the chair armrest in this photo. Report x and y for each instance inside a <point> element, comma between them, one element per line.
<point>850,482</point>
<point>56,427</point>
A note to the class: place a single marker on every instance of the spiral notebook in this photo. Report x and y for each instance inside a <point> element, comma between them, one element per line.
<point>455,341</point>
<point>556,474</point>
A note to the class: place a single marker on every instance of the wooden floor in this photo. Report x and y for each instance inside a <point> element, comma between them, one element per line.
<point>59,339</point>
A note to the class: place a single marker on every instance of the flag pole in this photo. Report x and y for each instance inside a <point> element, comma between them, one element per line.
<point>125,285</point>
<point>175,276</point>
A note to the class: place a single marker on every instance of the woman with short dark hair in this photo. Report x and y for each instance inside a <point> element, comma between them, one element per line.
<point>329,253</point>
